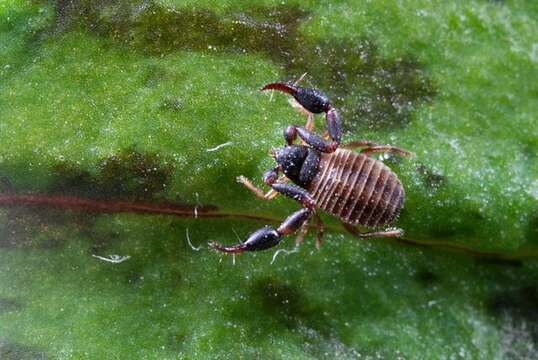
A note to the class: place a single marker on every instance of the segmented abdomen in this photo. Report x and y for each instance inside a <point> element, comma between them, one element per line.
<point>357,189</point>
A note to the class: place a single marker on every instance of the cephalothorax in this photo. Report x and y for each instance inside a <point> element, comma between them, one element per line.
<point>354,187</point>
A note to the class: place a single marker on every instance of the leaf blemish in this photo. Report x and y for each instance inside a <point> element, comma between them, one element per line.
<point>13,350</point>
<point>431,178</point>
<point>388,90</point>
<point>129,175</point>
<point>519,305</point>
<point>426,278</point>
<point>281,301</point>
<point>7,304</point>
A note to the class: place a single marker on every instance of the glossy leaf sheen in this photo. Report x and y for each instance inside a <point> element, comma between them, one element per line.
<point>157,102</point>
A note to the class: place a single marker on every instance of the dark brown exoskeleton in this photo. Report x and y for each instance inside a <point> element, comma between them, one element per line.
<point>354,187</point>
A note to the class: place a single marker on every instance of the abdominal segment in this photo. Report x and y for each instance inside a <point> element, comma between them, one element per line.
<point>357,189</point>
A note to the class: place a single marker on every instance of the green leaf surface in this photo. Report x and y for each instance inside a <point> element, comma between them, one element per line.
<point>106,104</point>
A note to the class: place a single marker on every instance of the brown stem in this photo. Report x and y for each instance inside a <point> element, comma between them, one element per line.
<point>123,206</point>
<point>205,211</point>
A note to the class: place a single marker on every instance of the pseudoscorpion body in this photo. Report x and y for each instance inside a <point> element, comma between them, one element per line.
<point>354,187</point>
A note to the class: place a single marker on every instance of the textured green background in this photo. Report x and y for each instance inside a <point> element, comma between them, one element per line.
<point>120,100</point>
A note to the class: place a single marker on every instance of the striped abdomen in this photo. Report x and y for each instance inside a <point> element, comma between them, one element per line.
<point>357,189</point>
